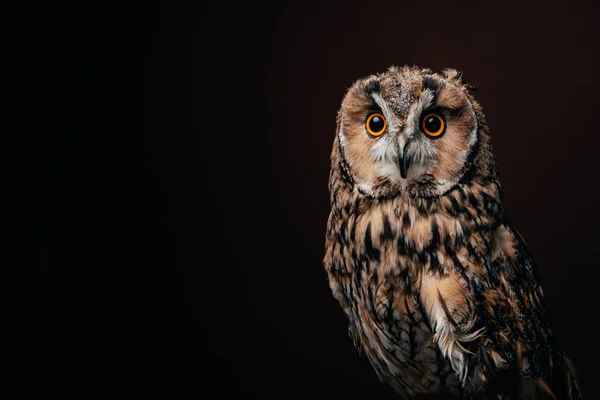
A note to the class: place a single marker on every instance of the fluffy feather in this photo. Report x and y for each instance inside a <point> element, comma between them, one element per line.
<point>439,288</point>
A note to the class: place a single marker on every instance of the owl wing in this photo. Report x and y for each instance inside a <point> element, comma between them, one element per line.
<point>490,320</point>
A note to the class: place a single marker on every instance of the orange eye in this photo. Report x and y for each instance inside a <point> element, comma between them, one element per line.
<point>433,125</point>
<point>376,124</point>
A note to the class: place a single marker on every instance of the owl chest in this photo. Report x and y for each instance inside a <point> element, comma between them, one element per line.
<point>376,264</point>
<point>389,324</point>
<point>379,258</point>
<point>385,310</point>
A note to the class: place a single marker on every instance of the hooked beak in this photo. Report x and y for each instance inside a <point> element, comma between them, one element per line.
<point>403,163</point>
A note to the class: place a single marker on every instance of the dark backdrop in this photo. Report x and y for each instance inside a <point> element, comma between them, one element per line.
<point>185,154</point>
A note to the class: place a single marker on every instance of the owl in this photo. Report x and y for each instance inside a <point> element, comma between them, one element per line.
<point>440,291</point>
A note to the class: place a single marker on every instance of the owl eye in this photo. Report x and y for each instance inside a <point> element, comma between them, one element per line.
<point>433,125</point>
<point>376,124</point>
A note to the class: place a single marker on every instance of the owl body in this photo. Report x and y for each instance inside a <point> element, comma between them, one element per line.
<point>439,289</point>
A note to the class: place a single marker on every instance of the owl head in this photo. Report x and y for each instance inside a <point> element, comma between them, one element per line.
<point>410,130</point>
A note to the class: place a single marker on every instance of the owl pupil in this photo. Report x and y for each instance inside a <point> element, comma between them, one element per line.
<point>433,124</point>
<point>376,124</point>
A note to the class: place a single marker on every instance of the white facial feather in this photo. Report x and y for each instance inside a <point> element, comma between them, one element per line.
<point>383,105</point>
<point>421,152</point>
<point>473,134</point>
<point>416,109</point>
<point>385,149</point>
<point>388,169</point>
<point>388,147</point>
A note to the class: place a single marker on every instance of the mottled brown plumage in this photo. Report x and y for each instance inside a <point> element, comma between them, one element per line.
<point>439,288</point>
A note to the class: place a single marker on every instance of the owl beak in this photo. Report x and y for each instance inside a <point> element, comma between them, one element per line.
<point>403,163</point>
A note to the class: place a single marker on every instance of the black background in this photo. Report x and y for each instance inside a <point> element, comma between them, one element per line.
<point>179,228</point>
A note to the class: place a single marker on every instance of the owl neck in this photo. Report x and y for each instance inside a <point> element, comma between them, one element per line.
<point>416,228</point>
<point>472,205</point>
<point>479,195</point>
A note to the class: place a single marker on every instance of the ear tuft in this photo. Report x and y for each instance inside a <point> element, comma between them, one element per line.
<point>457,76</point>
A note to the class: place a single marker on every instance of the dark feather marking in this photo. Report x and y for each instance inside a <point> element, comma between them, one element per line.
<point>387,229</point>
<point>424,315</point>
<point>435,236</point>
<point>353,231</point>
<point>458,209</point>
<point>446,309</point>
<point>422,207</point>
<point>389,312</point>
<point>372,308</point>
<point>373,87</point>
<point>371,251</point>
<point>357,269</point>
<point>434,263</point>
<point>466,233</point>
<point>347,208</point>
<point>473,253</point>
<point>422,257</point>
<point>346,176</point>
<point>461,192</point>
<point>448,244</point>
<point>343,232</point>
<point>430,83</point>
<point>358,210</point>
<point>473,201</point>
<point>468,303</point>
<point>401,245</point>
<point>335,192</point>
<point>460,268</point>
<point>373,108</point>
<point>406,220</point>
